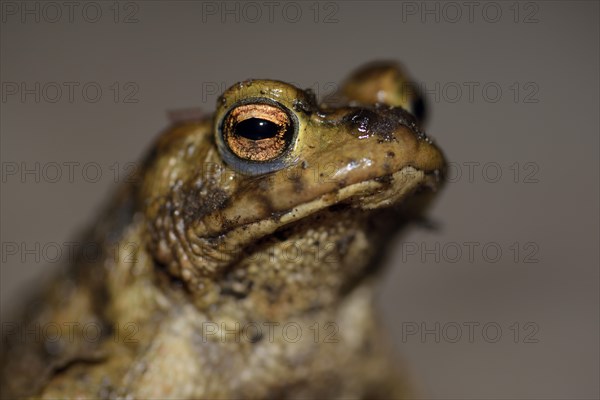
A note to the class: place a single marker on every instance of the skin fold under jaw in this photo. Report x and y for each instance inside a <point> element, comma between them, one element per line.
<point>272,211</point>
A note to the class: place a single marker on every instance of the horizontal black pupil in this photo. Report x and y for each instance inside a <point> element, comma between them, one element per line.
<point>256,129</point>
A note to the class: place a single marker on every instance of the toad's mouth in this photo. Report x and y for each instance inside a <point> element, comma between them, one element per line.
<point>390,190</point>
<point>380,192</point>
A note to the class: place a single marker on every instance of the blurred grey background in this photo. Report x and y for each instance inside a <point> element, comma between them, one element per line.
<point>500,302</point>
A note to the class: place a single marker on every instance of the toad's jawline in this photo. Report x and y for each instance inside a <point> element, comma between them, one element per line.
<point>368,194</point>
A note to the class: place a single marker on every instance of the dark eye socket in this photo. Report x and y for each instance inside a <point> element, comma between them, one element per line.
<point>256,129</point>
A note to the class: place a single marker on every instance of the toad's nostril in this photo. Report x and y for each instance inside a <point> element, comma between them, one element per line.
<point>382,122</point>
<point>364,123</point>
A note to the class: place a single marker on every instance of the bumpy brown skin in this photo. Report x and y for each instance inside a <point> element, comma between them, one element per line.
<point>216,283</point>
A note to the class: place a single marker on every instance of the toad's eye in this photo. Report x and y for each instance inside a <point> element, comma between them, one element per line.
<point>258,132</point>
